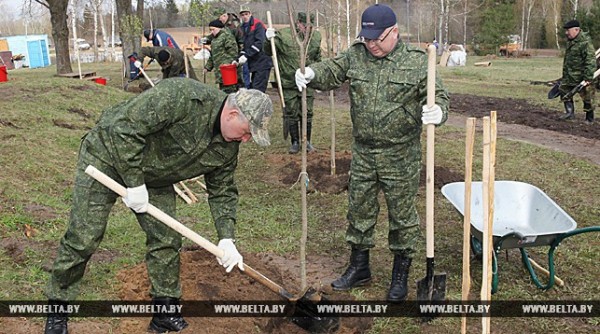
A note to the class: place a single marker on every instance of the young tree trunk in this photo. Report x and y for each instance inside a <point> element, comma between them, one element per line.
<point>303,45</point>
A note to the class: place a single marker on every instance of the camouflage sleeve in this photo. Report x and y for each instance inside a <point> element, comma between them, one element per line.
<point>330,73</point>
<point>223,199</point>
<point>590,62</point>
<point>146,51</point>
<point>210,63</point>
<point>139,117</point>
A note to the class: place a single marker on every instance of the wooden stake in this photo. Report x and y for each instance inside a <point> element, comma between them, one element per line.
<point>188,192</point>
<point>558,281</point>
<point>466,270</point>
<point>489,162</point>
<point>485,287</point>
<point>182,194</point>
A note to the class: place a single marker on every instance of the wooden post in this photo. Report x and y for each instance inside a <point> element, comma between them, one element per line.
<point>466,269</point>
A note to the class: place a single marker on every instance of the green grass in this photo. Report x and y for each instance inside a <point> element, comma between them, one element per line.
<point>37,160</point>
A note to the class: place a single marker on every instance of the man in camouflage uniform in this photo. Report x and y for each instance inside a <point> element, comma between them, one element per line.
<point>147,144</point>
<point>388,97</point>
<point>172,61</point>
<point>224,50</point>
<point>288,57</point>
<point>579,64</point>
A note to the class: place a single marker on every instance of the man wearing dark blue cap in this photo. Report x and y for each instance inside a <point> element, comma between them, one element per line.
<point>388,96</point>
<point>578,66</point>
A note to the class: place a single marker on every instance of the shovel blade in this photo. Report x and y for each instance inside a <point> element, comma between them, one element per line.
<point>432,288</point>
<point>306,315</point>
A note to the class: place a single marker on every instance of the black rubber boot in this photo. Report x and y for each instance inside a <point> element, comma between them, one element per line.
<point>589,112</point>
<point>398,288</point>
<point>357,273</point>
<point>167,322</point>
<point>569,110</point>
<point>295,138</point>
<point>56,323</point>
<point>589,117</point>
<point>309,147</point>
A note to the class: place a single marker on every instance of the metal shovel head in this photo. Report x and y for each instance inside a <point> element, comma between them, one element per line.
<point>306,314</point>
<point>554,92</point>
<point>432,289</point>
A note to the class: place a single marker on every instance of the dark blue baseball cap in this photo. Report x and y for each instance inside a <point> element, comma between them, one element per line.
<point>375,20</point>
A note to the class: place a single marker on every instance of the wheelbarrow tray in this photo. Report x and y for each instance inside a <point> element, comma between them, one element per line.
<point>524,216</point>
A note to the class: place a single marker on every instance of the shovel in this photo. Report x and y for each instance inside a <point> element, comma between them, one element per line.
<point>137,76</point>
<point>305,312</point>
<point>433,286</point>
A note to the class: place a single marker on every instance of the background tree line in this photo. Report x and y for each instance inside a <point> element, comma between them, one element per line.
<point>482,25</point>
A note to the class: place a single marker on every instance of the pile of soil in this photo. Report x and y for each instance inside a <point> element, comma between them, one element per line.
<point>203,279</point>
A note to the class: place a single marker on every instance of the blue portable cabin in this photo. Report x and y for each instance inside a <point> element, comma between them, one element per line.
<point>33,47</point>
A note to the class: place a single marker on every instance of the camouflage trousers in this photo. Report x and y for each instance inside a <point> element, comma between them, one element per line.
<point>395,171</point>
<point>92,203</point>
<point>293,105</point>
<point>587,95</point>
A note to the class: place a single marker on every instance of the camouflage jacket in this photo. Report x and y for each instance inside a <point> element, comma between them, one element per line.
<point>386,94</point>
<point>168,134</point>
<point>288,54</point>
<point>174,67</point>
<point>579,63</point>
<point>224,50</point>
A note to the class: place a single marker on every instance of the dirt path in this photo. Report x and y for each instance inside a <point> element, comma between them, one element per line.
<point>580,147</point>
<point>517,120</point>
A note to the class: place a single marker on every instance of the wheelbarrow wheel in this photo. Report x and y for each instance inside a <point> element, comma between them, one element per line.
<point>477,248</point>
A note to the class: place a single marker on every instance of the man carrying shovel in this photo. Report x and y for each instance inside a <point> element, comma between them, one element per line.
<point>288,54</point>
<point>388,95</point>
<point>147,144</point>
<point>172,62</point>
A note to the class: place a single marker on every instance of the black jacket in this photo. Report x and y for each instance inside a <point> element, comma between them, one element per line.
<point>254,39</point>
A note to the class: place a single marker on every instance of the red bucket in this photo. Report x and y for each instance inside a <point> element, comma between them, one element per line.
<point>229,74</point>
<point>101,81</point>
<point>3,74</point>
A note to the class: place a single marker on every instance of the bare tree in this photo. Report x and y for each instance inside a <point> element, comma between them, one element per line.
<point>60,32</point>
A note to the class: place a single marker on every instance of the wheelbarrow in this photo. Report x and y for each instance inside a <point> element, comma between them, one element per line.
<point>524,216</point>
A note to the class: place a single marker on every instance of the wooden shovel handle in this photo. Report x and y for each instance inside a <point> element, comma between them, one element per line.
<point>183,230</point>
<point>429,185</point>
<point>275,62</point>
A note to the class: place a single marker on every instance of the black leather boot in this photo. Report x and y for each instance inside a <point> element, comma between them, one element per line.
<point>357,273</point>
<point>589,117</point>
<point>295,138</point>
<point>589,112</point>
<point>398,288</point>
<point>569,110</point>
<point>166,322</point>
<point>56,323</point>
<point>309,147</point>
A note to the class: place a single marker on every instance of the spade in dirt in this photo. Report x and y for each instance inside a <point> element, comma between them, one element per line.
<point>305,313</point>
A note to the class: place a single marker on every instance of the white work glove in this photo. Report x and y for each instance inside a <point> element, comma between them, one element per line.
<point>231,256</point>
<point>432,115</point>
<point>137,199</point>
<point>241,61</point>
<point>270,33</point>
<point>303,79</point>
<point>137,64</point>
